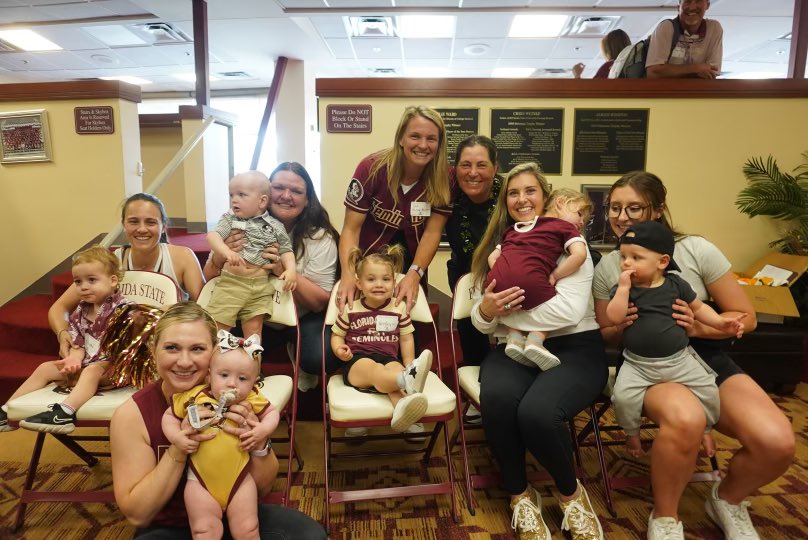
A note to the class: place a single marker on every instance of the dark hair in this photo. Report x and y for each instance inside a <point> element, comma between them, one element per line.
<point>477,140</point>
<point>313,218</point>
<point>649,187</point>
<point>149,198</point>
<point>614,42</point>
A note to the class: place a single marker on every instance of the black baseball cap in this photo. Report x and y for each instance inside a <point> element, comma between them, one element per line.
<point>652,235</point>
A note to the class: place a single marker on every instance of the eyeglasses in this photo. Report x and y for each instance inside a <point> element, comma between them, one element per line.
<point>632,212</point>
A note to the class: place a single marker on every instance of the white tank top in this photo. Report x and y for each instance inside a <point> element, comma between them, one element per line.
<point>163,265</point>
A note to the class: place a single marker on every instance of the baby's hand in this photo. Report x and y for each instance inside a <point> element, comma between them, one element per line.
<point>184,442</point>
<point>625,278</point>
<point>343,352</point>
<point>234,258</point>
<point>551,279</point>
<point>250,440</point>
<point>290,280</point>
<point>733,325</point>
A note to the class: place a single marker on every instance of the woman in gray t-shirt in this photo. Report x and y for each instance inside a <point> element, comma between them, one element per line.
<point>746,412</point>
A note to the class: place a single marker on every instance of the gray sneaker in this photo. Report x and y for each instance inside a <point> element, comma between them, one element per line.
<point>733,519</point>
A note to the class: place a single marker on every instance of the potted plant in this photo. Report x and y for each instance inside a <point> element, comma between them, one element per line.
<point>784,197</point>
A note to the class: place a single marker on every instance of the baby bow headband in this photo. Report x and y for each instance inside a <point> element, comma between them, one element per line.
<point>228,342</point>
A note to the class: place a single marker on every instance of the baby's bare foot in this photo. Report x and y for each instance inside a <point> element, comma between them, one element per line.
<point>634,446</point>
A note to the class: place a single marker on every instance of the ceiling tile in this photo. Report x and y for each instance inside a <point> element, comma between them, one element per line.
<point>359,3</point>
<point>340,48</point>
<point>426,3</point>
<point>22,14</point>
<point>480,64</point>
<point>180,53</point>
<point>377,47</point>
<point>76,10</point>
<point>302,3</point>
<point>482,25</point>
<point>427,48</point>
<point>70,37</point>
<point>329,27</point>
<point>528,48</point>
<point>25,61</point>
<point>121,7</point>
<point>118,61</point>
<point>64,60</point>
<point>148,56</point>
<point>774,52</point>
<point>578,48</point>
<point>640,3</point>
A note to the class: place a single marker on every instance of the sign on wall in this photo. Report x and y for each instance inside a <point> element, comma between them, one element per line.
<point>94,120</point>
<point>609,141</point>
<point>460,123</point>
<point>349,118</point>
<point>523,135</point>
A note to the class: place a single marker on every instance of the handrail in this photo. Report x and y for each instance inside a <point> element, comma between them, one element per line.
<point>184,151</point>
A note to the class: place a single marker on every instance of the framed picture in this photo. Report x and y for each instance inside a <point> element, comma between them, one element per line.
<point>24,136</point>
<point>598,232</point>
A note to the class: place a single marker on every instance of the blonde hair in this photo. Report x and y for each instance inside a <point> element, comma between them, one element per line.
<point>392,256</point>
<point>569,197</point>
<point>501,220</point>
<point>184,312</point>
<point>436,173</point>
<point>100,254</point>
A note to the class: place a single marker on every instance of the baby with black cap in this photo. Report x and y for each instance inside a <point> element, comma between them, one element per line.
<point>656,349</point>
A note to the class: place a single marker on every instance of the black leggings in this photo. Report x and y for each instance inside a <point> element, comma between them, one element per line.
<point>525,408</point>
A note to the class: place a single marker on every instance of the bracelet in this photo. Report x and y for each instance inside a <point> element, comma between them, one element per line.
<point>262,452</point>
<point>175,460</point>
<point>486,317</point>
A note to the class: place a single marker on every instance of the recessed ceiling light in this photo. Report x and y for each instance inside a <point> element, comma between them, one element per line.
<point>476,49</point>
<point>191,77</point>
<point>28,40</point>
<point>426,26</point>
<point>537,26</point>
<point>511,72</point>
<point>131,79</point>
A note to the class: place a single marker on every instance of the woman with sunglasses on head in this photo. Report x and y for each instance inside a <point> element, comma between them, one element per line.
<point>746,412</point>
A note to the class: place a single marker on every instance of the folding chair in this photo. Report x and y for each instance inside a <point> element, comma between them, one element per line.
<point>278,389</point>
<point>597,410</point>
<point>467,380</point>
<point>346,407</point>
<point>143,287</point>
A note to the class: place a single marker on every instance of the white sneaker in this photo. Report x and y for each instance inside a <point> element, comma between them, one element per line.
<point>515,347</point>
<point>416,373</point>
<point>408,410</point>
<point>665,528</point>
<point>539,355</point>
<point>306,381</point>
<point>733,519</point>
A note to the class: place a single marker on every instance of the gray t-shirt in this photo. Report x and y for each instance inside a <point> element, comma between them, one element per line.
<point>706,48</point>
<point>701,262</point>
<point>655,333</point>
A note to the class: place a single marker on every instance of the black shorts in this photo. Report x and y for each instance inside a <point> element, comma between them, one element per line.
<point>379,358</point>
<point>713,353</point>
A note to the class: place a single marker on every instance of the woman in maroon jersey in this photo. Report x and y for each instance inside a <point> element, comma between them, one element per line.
<point>148,472</point>
<point>399,195</point>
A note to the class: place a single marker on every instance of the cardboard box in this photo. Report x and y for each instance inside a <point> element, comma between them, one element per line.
<point>773,304</point>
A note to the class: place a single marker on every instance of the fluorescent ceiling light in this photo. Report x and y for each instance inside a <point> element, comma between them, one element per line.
<point>512,72</point>
<point>28,40</point>
<point>129,79</point>
<point>114,35</point>
<point>537,26</point>
<point>427,72</point>
<point>426,26</point>
<point>191,77</point>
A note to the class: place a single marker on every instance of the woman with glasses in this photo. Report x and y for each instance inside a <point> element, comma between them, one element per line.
<point>746,412</point>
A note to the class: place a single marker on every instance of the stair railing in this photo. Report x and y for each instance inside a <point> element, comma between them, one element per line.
<point>184,151</point>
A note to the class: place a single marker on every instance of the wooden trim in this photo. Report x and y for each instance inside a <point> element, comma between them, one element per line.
<point>799,40</point>
<point>159,121</point>
<point>200,112</point>
<point>51,91</point>
<point>272,100</point>
<point>562,88</point>
<point>201,68</point>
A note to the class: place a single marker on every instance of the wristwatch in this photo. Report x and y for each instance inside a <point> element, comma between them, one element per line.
<point>417,269</point>
<point>262,452</point>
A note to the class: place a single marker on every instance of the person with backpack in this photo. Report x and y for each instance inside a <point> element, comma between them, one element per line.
<point>696,53</point>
